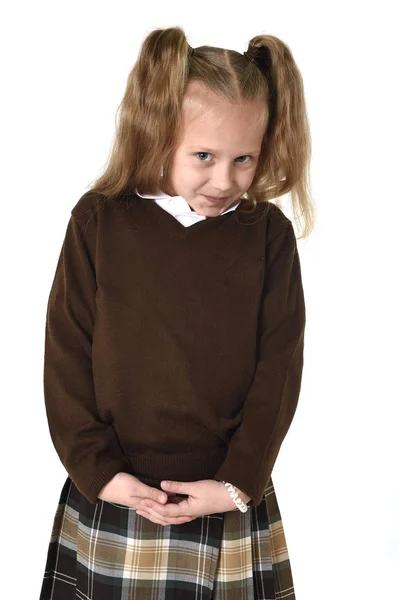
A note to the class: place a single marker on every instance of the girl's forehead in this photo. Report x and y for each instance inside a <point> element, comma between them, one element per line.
<point>224,132</point>
<point>217,118</point>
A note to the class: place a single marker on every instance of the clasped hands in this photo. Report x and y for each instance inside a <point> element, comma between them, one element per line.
<point>204,497</point>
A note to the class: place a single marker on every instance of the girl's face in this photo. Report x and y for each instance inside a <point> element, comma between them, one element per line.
<point>217,152</point>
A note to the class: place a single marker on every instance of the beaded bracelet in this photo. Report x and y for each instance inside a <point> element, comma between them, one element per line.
<point>233,493</point>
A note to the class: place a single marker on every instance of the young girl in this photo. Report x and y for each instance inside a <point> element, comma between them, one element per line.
<point>175,333</point>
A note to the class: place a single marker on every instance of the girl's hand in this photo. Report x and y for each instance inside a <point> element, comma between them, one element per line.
<point>205,497</point>
<point>128,490</point>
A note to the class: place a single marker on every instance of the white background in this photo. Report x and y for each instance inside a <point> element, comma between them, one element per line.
<point>64,71</point>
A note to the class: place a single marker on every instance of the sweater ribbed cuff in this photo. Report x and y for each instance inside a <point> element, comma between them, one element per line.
<point>113,467</point>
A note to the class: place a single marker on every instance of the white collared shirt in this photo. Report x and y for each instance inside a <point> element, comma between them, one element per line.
<point>179,208</point>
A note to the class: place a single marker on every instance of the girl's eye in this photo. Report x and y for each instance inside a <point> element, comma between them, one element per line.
<point>208,153</point>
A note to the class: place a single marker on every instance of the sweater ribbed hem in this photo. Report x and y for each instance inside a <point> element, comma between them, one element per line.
<point>177,467</point>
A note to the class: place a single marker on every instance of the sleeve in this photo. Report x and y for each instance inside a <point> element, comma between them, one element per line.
<point>87,447</point>
<point>272,398</point>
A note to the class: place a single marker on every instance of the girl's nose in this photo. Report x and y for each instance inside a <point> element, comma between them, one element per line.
<point>221,180</point>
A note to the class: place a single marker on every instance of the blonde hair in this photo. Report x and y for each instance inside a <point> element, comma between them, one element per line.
<point>152,107</point>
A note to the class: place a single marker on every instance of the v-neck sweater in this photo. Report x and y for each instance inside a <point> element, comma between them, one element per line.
<point>173,352</point>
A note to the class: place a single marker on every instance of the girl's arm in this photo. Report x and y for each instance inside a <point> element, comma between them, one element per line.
<point>87,447</point>
<point>272,398</point>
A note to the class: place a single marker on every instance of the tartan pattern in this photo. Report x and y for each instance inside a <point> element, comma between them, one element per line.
<point>108,552</point>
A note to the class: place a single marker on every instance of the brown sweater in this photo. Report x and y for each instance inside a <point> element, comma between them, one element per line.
<point>173,352</point>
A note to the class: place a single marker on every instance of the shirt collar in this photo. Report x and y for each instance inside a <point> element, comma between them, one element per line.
<point>178,206</point>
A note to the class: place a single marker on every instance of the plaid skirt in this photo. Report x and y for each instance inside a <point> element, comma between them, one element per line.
<point>105,551</point>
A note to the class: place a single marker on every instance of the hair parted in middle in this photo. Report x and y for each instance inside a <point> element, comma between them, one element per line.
<point>156,95</point>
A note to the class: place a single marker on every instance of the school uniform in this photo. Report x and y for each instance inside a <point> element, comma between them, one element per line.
<point>173,350</point>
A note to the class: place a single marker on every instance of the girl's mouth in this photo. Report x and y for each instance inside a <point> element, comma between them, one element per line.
<point>216,200</point>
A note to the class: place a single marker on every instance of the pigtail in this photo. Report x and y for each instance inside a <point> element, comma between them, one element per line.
<point>150,116</point>
<point>158,86</point>
<point>286,149</point>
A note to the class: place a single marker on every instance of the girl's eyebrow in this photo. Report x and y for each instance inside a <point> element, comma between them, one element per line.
<point>216,151</point>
